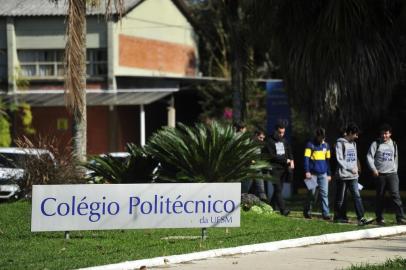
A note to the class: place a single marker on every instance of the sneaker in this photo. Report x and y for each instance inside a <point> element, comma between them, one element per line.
<point>401,221</point>
<point>328,218</point>
<point>380,222</point>
<point>363,221</point>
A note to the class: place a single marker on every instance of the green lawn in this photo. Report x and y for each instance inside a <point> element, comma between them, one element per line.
<point>396,264</point>
<point>21,249</point>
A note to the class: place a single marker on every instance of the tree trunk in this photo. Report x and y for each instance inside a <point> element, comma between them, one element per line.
<point>237,66</point>
<point>80,136</point>
<point>76,73</point>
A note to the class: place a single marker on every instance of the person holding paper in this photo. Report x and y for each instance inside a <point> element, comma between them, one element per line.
<point>382,159</point>
<point>317,173</point>
<point>347,177</point>
<point>281,159</point>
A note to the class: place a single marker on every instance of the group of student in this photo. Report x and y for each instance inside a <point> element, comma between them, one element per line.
<point>382,160</point>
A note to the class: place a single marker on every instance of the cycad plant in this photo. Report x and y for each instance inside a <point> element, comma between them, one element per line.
<point>206,153</point>
<point>137,168</point>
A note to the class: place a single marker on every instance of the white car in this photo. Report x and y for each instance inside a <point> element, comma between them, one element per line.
<point>12,163</point>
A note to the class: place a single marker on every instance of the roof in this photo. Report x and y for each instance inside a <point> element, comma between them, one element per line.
<point>46,98</point>
<point>54,7</point>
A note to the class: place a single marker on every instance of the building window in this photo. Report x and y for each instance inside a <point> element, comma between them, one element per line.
<point>43,64</point>
<point>96,64</point>
<point>3,65</point>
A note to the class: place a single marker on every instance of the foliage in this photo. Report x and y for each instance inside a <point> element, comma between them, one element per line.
<point>48,250</point>
<point>26,118</point>
<point>262,209</point>
<point>250,202</point>
<point>391,264</point>
<point>60,167</point>
<point>235,45</point>
<point>339,58</point>
<point>137,168</point>
<point>206,153</point>
<point>23,111</point>
<point>5,136</point>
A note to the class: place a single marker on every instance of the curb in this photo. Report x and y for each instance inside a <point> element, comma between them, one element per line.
<point>270,246</point>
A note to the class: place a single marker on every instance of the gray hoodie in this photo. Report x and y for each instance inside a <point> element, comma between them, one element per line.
<point>346,155</point>
<point>383,159</point>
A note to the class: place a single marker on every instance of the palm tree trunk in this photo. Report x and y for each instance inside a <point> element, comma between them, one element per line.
<point>237,66</point>
<point>75,83</point>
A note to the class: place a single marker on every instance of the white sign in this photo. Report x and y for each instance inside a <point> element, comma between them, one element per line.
<point>135,206</point>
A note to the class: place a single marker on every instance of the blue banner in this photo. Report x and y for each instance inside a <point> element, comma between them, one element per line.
<point>277,106</point>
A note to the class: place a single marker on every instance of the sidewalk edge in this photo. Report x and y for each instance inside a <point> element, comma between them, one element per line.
<point>270,246</point>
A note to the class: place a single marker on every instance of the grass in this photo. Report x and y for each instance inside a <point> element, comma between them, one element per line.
<point>21,249</point>
<point>395,264</point>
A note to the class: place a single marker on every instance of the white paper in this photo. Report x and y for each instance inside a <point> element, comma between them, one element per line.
<point>311,183</point>
<point>360,187</point>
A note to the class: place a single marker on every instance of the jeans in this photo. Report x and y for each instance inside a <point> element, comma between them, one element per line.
<point>259,187</point>
<point>312,195</point>
<point>391,183</point>
<point>340,206</point>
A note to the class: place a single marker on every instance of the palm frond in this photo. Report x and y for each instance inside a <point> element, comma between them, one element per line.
<point>206,153</point>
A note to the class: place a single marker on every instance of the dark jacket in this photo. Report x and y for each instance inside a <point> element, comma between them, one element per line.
<point>279,151</point>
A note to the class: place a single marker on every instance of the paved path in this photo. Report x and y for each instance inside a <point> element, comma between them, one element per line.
<point>317,257</point>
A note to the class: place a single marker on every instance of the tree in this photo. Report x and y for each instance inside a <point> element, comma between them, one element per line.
<point>339,58</point>
<point>234,43</point>
<point>75,66</point>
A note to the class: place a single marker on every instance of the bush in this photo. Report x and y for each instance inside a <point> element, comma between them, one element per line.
<point>60,167</point>
<point>206,153</point>
<point>137,168</point>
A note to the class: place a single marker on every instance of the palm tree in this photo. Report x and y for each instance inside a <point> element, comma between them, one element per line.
<point>75,66</point>
<point>212,153</point>
<point>339,57</point>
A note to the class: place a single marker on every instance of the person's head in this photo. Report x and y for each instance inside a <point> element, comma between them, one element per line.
<point>240,127</point>
<point>260,135</point>
<point>385,132</point>
<point>280,129</point>
<point>351,131</point>
<point>319,135</point>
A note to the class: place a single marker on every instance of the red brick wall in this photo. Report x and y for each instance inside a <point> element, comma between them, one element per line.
<point>156,55</point>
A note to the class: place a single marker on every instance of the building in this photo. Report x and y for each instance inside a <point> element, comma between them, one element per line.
<point>134,66</point>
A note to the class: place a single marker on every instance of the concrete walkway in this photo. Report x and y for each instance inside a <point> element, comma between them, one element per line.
<point>316,257</point>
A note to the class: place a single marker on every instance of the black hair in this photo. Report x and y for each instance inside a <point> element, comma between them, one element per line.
<point>352,128</point>
<point>239,126</point>
<point>320,132</point>
<point>259,131</point>
<point>385,127</point>
<point>280,124</point>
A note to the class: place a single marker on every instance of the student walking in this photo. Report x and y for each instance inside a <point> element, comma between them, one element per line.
<point>259,183</point>
<point>347,177</point>
<point>317,168</point>
<point>281,159</point>
<point>382,159</point>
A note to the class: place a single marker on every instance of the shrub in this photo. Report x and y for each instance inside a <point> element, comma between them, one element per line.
<point>206,153</point>
<point>59,167</point>
<point>137,168</point>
